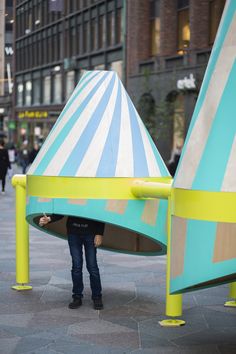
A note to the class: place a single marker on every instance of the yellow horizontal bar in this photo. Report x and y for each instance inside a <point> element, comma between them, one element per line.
<point>204,205</point>
<point>144,189</point>
<point>84,188</point>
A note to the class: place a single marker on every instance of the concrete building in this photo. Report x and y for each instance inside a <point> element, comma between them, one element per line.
<point>55,42</point>
<point>160,48</point>
<point>6,81</point>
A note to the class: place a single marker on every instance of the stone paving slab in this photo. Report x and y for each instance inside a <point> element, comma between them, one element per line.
<point>39,321</point>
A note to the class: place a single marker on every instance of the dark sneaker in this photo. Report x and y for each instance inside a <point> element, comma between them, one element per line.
<point>76,302</point>
<point>97,304</point>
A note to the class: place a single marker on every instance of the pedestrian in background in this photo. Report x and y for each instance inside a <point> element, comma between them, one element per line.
<point>4,164</point>
<point>24,156</point>
<point>33,153</point>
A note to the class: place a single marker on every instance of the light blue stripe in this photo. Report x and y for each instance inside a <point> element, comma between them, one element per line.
<point>211,170</point>
<point>224,27</point>
<point>75,97</point>
<point>73,162</point>
<point>107,165</point>
<point>70,102</point>
<point>140,162</point>
<point>66,129</point>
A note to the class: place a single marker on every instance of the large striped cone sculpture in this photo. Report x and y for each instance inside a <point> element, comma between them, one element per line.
<point>99,137</point>
<point>203,246</point>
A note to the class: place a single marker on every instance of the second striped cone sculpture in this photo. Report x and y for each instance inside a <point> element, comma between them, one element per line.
<point>203,247</point>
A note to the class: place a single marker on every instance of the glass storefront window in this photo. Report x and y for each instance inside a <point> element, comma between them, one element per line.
<point>20,93</point>
<point>28,93</point>
<point>57,88</point>
<point>47,89</point>
<point>70,83</point>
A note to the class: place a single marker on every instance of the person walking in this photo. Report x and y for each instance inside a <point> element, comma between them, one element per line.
<point>4,164</point>
<point>24,156</point>
<point>87,234</point>
<point>33,153</point>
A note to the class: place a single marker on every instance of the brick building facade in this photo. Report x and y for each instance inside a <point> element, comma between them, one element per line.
<point>155,78</point>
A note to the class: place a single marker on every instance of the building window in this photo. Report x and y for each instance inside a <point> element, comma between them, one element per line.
<point>47,89</point>
<point>20,94</point>
<point>183,26</point>
<point>93,35</point>
<point>57,88</point>
<point>110,29</point>
<point>28,92</point>
<point>215,12</point>
<point>70,83</point>
<point>155,27</point>
<point>36,90</point>
<point>99,67</point>
<point>101,31</point>
<point>117,66</point>
<point>85,37</point>
<point>119,26</point>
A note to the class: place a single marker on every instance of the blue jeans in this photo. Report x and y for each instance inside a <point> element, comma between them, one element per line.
<point>76,243</point>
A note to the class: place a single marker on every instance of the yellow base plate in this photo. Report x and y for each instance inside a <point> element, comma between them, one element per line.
<point>21,287</point>
<point>172,323</point>
<point>230,303</point>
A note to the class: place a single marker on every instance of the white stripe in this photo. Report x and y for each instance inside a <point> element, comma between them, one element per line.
<point>152,164</point>
<point>125,159</point>
<point>92,157</point>
<point>61,123</point>
<point>199,135</point>
<point>229,182</point>
<point>67,146</point>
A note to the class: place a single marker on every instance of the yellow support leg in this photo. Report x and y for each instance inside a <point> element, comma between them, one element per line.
<point>232,295</point>
<point>22,235</point>
<point>173,302</point>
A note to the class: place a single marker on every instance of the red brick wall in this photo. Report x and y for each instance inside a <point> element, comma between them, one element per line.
<point>138,34</point>
<point>168,15</point>
<point>199,24</point>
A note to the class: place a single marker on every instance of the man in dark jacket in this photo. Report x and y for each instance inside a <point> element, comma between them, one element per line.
<point>88,233</point>
<point>4,164</point>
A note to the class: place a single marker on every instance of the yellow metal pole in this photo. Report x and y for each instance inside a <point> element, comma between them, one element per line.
<point>142,189</point>
<point>173,302</point>
<point>22,235</point>
<point>232,295</point>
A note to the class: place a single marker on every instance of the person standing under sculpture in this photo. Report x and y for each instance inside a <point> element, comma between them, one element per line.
<point>81,233</point>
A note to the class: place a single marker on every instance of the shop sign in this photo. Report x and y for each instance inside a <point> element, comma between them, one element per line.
<point>187,83</point>
<point>32,114</point>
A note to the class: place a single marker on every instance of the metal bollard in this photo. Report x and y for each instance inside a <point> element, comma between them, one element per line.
<point>22,235</point>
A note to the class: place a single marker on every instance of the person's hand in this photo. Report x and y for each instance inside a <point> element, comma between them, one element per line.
<point>97,240</point>
<point>44,220</point>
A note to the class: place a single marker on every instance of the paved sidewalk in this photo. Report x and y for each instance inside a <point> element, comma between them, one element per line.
<point>39,321</point>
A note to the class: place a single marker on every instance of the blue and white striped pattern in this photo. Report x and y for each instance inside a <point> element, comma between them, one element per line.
<point>208,159</point>
<point>99,134</point>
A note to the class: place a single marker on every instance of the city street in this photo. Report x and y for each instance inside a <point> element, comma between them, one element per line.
<point>38,321</point>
